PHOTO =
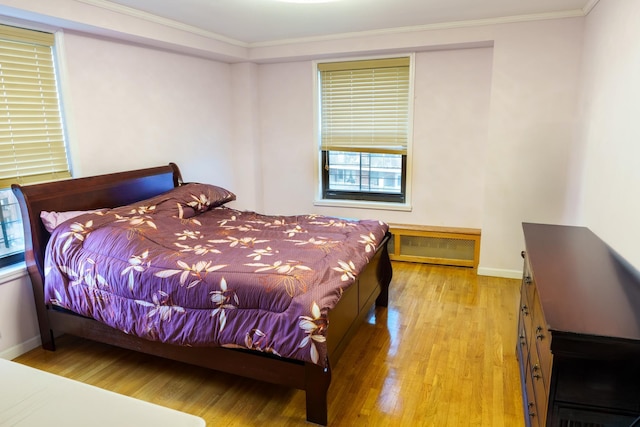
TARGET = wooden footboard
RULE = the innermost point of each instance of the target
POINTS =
(127, 187)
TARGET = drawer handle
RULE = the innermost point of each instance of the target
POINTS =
(525, 310)
(539, 334)
(534, 371)
(523, 340)
(528, 280)
(531, 409)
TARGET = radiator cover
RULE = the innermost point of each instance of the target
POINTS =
(435, 245)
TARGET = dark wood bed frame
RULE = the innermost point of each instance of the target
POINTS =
(117, 189)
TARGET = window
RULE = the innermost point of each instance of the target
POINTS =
(364, 129)
(32, 147)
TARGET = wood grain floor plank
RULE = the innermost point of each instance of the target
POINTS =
(442, 354)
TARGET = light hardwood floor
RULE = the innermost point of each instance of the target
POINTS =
(442, 354)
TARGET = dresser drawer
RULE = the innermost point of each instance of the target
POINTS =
(545, 358)
(540, 391)
(526, 314)
(531, 404)
(539, 384)
(541, 341)
(523, 345)
(528, 281)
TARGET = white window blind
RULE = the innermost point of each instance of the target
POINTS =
(365, 105)
(32, 145)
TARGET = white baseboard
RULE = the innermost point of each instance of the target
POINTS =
(22, 348)
(497, 272)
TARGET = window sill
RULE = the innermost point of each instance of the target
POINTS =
(362, 204)
(12, 272)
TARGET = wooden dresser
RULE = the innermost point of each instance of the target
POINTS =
(578, 331)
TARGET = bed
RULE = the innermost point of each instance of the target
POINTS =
(233, 302)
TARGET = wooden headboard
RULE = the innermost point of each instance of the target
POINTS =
(101, 191)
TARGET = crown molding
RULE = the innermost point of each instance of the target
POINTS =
(146, 16)
(578, 13)
(589, 6)
(124, 10)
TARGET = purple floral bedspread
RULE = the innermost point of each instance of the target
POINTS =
(183, 269)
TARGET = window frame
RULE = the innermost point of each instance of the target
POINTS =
(12, 259)
(371, 196)
(372, 200)
(16, 258)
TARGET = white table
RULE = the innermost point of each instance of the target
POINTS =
(33, 398)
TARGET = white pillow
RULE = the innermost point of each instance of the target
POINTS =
(53, 219)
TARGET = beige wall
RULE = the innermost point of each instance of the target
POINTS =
(128, 106)
(18, 322)
(610, 127)
(531, 135)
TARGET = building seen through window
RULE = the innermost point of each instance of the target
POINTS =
(365, 172)
(11, 233)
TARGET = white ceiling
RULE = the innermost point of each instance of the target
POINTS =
(268, 21)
